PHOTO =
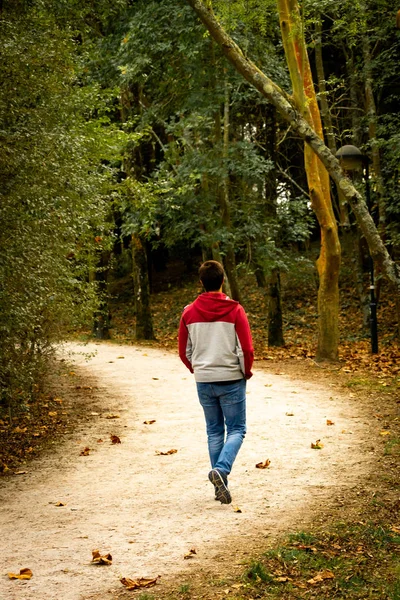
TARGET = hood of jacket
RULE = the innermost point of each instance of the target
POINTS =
(214, 306)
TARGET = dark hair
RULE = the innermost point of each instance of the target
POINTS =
(211, 275)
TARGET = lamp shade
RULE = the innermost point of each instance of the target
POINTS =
(350, 157)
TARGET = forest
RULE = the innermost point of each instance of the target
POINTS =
(138, 139)
(141, 138)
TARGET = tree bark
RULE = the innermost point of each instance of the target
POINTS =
(326, 116)
(102, 318)
(283, 102)
(275, 322)
(328, 263)
(144, 323)
(224, 201)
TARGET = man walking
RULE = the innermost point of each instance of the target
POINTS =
(215, 344)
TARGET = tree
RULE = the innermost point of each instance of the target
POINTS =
(305, 99)
(290, 113)
(52, 209)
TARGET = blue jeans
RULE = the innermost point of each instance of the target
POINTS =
(224, 406)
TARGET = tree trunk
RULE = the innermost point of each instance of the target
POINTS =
(144, 323)
(101, 322)
(275, 324)
(328, 263)
(275, 321)
(326, 117)
(370, 109)
(224, 201)
(283, 102)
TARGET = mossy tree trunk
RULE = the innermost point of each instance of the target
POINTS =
(328, 263)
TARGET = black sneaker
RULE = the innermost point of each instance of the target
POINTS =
(221, 489)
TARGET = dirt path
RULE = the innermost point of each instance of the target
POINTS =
(148, 510)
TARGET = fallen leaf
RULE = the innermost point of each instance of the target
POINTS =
(120, 356)
(282, 579)
(58, 400)
(115, 439)
(23, 574)
(155, 378)
(134, 584)
(329, 422)
(19, 430)
(172, 451)
(321, 576)
(237, 509)
(395, 529)
(149, 422)
(289, 414)
(263, 465)
(317, 446)
(72, 373)
(191, 553)
(100, 441)
(97, 559)
(384, 433)
(60, 504)
(85, 452)
(112, 416)
(52, 413)
(20, 472)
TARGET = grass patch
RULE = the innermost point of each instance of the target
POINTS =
(392, 447)
(352, 561)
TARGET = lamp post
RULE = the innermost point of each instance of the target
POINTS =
(352, 159)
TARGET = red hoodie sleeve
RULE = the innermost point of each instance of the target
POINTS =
(244, 334)
(184, 344)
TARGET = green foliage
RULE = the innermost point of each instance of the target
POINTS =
(52, 204)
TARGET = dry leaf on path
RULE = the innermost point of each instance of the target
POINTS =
(149, 422)
(263, 465)
(60, 504)
(172, 451)
(120, 356)
(19, 430)
(321, 576)
(112, 416)
(282, 579)
(85, 451)
(23, 574)
(115, 439)
(329, 422)
(289, 414)
(20, 472)
(97, 559)
(134, 584)
(237, 509)
(191, 553)
(317, 446)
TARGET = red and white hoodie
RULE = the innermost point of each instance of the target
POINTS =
(215, 340)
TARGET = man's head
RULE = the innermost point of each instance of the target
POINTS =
(211, 275)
